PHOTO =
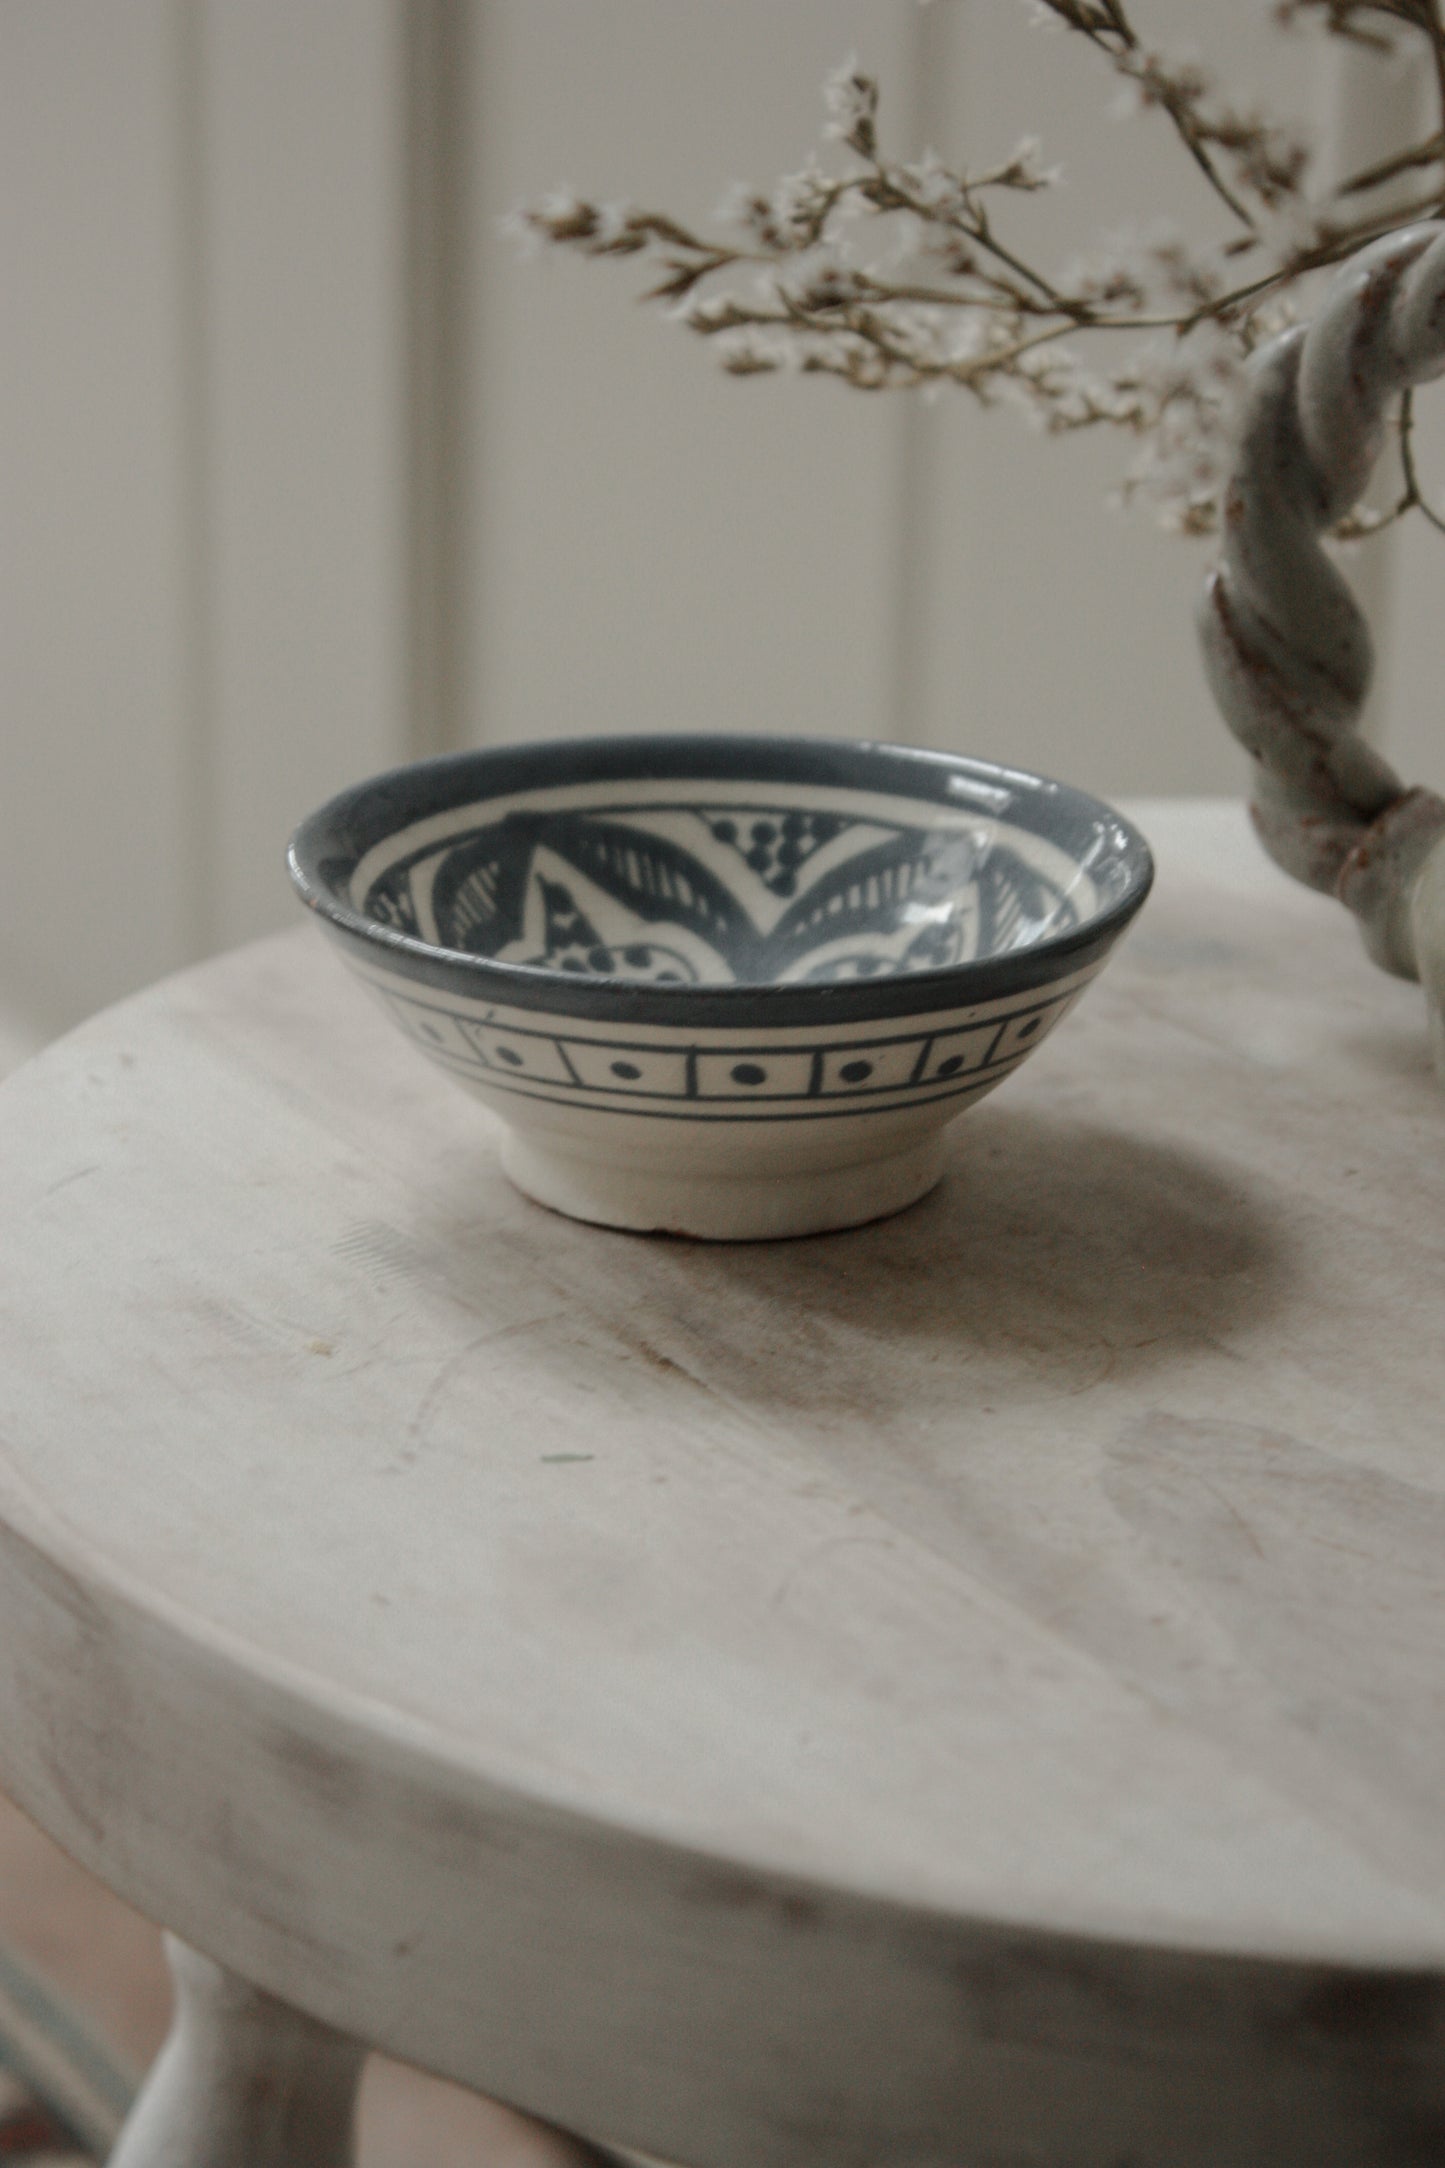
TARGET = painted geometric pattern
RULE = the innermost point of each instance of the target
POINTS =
(713, 1080)
(696, 893)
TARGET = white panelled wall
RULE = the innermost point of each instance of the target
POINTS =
(302, 471)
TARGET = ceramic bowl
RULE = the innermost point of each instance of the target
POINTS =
(724, 987)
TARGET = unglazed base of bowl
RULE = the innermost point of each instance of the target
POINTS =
(722, 1207)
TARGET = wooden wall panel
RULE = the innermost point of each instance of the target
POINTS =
(651, 545)
(96, 680)
(205, 416)
(304, 304)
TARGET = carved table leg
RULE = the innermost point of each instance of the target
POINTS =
(243, 2081)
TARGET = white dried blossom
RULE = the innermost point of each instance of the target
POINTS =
(709, 312)
(800, 202)
(1189, 394)
(1186, 276)
(963, 340)
(1144, 267)
(850, 99)
(1163, 78)
(612, 222)
(1023, 390)
(937, 187)
(1271, 158)
(1202, 371)
(787, 217)
(1178, 474)
(753, 351)
(1025, 167)
(560, 211)
(1293, 224)
(1268, 318)
(563, 216)
(737, 206)
(1074, 395)
(1149, 80)
(839, 355)
(1113, 275)
(819, 279)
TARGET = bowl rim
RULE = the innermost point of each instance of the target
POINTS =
(331, 841)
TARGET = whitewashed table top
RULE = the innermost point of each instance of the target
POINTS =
(1071, 1547)
(1069, 1550)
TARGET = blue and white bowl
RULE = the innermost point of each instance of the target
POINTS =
(722, 986)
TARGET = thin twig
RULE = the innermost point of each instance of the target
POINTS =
(1184, 120)
(1428, 153)
(821, 307)
(1414, 497)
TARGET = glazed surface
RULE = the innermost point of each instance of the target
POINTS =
(682, 882)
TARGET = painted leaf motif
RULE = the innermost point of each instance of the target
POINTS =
(742, 892)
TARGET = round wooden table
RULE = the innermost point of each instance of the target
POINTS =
(967, 1690)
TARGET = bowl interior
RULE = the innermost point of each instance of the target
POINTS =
(732, 879)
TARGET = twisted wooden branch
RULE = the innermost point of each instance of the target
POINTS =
(1286, 648)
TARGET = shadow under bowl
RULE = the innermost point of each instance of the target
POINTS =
(728, 987)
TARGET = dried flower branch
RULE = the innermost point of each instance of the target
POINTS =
(890, 274)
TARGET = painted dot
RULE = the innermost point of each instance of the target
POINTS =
(1026, 1031)
(627, 1070)
(748, 1072)
(600, 959)
(856, 1072)
(764, 832)
(509, 1055)
(725, 831)
(950, 1065)
(638, 958)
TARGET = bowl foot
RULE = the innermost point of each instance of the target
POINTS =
(723, 1207)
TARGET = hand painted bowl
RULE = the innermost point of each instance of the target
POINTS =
(730, 987)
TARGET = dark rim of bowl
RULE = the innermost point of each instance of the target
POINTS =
(332, 841)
